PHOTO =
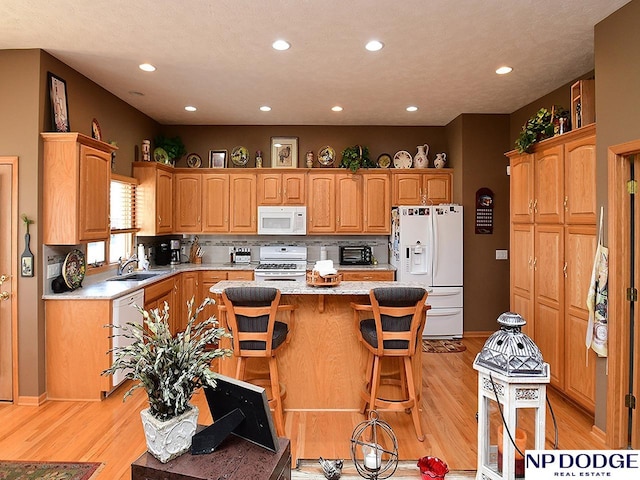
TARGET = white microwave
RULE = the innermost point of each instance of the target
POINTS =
(282, 220)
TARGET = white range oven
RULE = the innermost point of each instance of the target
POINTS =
(282, 263)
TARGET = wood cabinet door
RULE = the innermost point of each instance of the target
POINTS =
(93, 208)
(580, 373)
(215, 202)
(549, 185)
(437, 187)
(549, 298)
(580, 181)
(269, 189)
(188, 202)
(521, 273)
(349, 209)
(377, 204)
(164, 199)
(321, 206)
(521, 188)
(407, 188)
(367, 276)
(208, 279)
(294, 191)
(242, 203)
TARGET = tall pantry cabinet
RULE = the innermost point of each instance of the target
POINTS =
(553, 241)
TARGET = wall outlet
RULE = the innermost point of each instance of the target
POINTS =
(508, 170)
(502, 255)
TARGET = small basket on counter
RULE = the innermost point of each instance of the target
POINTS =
(314, 279)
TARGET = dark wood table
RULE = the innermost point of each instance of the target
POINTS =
(235, 459)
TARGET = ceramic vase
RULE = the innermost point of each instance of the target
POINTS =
(440, 161)
(171, 438)
(421, 160)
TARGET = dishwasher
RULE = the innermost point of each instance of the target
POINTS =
(124, 312)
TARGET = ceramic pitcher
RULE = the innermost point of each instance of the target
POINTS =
(441, 159)
(421, 160)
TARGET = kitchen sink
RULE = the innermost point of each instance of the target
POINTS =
(134, 277)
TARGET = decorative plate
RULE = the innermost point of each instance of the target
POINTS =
(384, 160)
(73, 269)
(240, 156)
(402, 159)
(95, 130)
(160, 155)
(326, 156)
(194, 160)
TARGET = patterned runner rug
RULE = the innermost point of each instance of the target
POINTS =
(48, 470)
(407, 470)
(443, 346)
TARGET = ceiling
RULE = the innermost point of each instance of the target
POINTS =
(439, 55)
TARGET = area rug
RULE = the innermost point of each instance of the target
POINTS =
(407, 470)
(443, 346)
(47, 470)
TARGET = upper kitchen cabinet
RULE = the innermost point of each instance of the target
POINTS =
(410, 186)
(377, 203)
(580, 171)
(76, 186)
(281, 188)
(155, 198)
(349, 207)
(321, 206)
(215, 203)
(188, 202)
(242, 203)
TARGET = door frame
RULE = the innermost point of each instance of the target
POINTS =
(13, 162)
(618, 233)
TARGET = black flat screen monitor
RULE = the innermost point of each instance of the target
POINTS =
(248, 405)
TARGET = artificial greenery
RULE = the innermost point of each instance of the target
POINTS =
(173, 146)
(544, 124)
(169, 367)
(356, 157)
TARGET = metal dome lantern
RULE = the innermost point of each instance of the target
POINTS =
(511, 352)
(512, 376)
(374, 448)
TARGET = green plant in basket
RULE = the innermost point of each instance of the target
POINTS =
(173, 146)
(537, 128)
(356, 157)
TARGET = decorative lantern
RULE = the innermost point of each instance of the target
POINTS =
(374, 448)
(512, 375)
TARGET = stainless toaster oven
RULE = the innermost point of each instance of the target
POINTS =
(358, 255)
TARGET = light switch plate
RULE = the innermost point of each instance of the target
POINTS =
(54, 270)
(502, 255)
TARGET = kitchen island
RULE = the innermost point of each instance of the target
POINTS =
(323, 366)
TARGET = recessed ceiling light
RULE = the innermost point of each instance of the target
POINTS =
(374, 45)
(337, 108)
(265, 108)
(412, 108)
(281, 45)
(147, 67)
(504, 70)
(190, 108)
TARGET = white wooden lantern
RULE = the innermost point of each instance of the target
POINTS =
(511, 373)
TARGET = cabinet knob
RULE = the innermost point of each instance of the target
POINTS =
(3, 278)
(535, 205)
(4, 295)
(564, 270)
(530, 208)
(565, 203)
(535, 262)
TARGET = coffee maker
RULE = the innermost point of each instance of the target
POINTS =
(175, 252)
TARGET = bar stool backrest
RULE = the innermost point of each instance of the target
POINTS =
(399, 314)
(251, 315)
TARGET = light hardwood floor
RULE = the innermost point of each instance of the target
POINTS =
(111, 432)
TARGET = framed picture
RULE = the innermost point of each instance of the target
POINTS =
(59, 103)
(217, 158)
(284, 152)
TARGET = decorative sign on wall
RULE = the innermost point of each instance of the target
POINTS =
(484, 211)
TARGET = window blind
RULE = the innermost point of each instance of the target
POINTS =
(123, 204)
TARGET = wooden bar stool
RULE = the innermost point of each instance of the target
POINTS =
(251, 316)
(399, 315)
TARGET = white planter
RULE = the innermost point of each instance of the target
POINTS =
(171, 438)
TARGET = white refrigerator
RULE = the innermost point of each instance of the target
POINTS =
(426, 248)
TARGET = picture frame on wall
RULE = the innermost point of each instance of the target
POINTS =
(284, 152)
(217, 158)
(59, 103)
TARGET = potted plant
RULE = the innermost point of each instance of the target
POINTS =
(544, 124)
(174, 147)
(356, 157)
(170, 368)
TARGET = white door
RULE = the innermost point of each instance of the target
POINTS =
(8, 270)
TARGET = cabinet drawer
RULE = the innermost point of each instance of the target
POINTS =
(213, 276)
(240, 275)
(157, 290)
(370, 276)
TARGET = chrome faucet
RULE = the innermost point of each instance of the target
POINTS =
(122, 264)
